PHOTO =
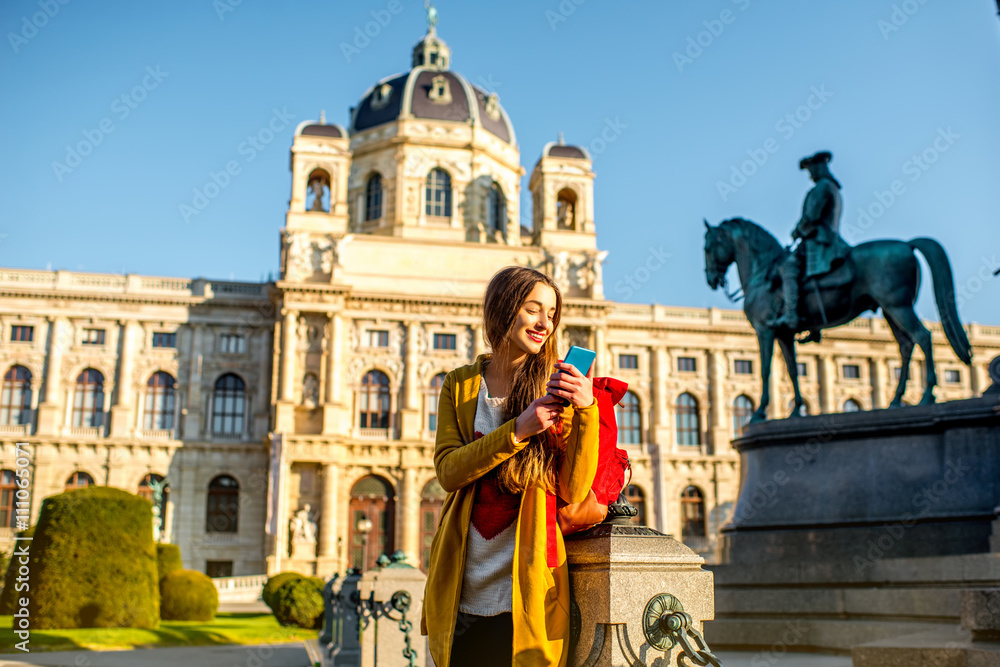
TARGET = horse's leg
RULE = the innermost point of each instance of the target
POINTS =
(765, 341)
(787, 343)
(906, 352)
(915, 329)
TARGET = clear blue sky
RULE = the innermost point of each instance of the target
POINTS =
(682, 125)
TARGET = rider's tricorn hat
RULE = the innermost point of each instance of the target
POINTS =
(819, 158)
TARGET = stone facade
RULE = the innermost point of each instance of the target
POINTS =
(379, 294)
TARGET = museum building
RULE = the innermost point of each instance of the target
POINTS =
(291, 423)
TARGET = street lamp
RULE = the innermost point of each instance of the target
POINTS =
(364, 526)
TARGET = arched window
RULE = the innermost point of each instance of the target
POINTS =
(15, 400)
(638, 500)
(88, 399)
(318, 192)
(566, 209)
(373, 197)
(222, 513)
(78, 480)
(431, 501)
(432, 401)
(438, 193)
(692, 512)
(8, 487)
(629, 419)
(374, 400)
(158, 412)
(742, 412)
(146, 491)
(850, 405)
(688, 426)
(372, 521)
(496, 210)
(228, 405)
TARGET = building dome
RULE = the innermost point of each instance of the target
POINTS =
(560, 149)
(430, 90)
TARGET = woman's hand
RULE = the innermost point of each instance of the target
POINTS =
(541, 414)
(573, 385)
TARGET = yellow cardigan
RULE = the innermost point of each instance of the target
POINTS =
(541, 594)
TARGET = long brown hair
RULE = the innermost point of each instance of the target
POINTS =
(505, 295)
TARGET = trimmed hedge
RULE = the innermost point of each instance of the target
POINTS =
(274, 583)
(188, 595)
(168, 559)
(8, 597)
(93, 562)
(299, 602)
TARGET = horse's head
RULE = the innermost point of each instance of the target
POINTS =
(719, 254)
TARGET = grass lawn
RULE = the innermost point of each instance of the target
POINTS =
(241, 628)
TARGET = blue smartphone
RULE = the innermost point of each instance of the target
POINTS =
(580, 358)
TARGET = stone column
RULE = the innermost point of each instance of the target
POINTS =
(281, 521)
(122, 413)
(409, 414)
(719, 431)
(48, 411)
(827, 375)
(879, 374)
(288, 355)
(194, 420)
(334, 358)
(601, 362)
(478, 346)
(328, 517)
(409, 516)
(186, 524)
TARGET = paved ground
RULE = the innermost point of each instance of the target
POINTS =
(294, 655)
(277, 655)
(254, 607)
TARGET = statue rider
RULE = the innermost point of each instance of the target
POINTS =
(822, 249)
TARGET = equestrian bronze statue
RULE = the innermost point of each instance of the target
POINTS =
(824, 283)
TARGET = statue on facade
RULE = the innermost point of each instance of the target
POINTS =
(303, 525)
(318, 187)
(827, 283)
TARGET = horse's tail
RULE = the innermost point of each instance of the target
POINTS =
(944, 295)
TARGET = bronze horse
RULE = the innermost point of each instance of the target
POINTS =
(877, 274)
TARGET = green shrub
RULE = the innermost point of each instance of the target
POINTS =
(8, 597)
(168, 559)
(188, 595)
(274, 583)
(299, 602)
(93, 562)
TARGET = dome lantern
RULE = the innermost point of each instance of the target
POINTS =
(431, 51)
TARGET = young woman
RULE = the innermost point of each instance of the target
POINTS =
(497, 588)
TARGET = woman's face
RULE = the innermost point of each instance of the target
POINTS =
(534, 320)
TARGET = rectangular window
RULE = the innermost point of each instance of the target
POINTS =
(219, 568)
(164, 339)
(743, 367)
(442, 341)
(852, 372)
(22, 334)
(231, 343)
(628, 361)
(687, 364)
(378, 338)
(803, 370)
(952, 376)
(896, 371)
(93, 337)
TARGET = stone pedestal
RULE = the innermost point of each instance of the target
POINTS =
(303, 550)
(384, 581)
(615, 570)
